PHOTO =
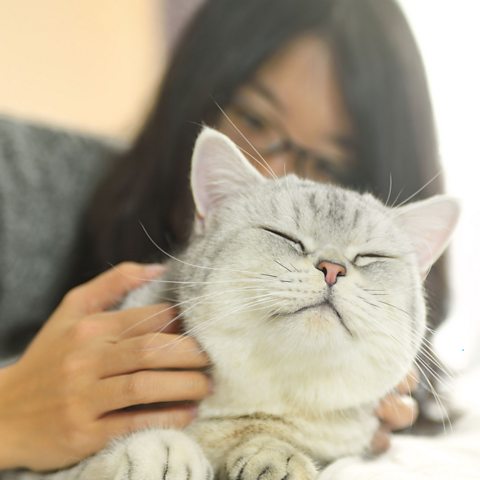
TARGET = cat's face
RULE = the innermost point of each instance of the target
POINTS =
(330, 265)
(307, 275)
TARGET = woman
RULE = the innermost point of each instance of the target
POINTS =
(331, 89)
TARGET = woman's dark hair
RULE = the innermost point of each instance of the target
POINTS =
(382, 79)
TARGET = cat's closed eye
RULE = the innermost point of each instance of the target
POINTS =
(364, 259)
(294, 242)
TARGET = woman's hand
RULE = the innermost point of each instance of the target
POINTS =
(62, 400)
(396, 411)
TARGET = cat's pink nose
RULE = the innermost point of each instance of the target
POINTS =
(331, 271)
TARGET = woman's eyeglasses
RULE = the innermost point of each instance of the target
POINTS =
(270, 140)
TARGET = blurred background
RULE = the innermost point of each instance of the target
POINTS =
(95, 66)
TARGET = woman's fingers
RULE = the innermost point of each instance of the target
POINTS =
(152, 351)
(107, 289)
(137, 321)
(398, 411)
(148, 387)
(409, 384)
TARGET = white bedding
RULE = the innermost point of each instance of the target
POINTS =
(454, 455)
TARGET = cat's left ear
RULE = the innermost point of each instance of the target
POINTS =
(430, 224)
(219, 170)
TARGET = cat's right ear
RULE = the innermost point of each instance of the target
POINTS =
(219, 170)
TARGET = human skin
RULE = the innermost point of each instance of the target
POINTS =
(297, 92)
(60, 402)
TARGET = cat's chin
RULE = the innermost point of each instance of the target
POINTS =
(321, 318)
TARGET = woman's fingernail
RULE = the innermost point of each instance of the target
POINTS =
(409, 403)
(154, 269)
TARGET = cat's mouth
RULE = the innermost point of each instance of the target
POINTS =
(324, 304)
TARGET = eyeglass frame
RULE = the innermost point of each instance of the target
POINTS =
(285, 144)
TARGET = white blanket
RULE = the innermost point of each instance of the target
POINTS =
(454, 455)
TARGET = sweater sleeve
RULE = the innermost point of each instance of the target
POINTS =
(47, 177)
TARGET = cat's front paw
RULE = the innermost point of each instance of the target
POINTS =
(266, 458)
(150, 455)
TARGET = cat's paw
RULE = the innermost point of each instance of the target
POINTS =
(150, 455)
(265, 458)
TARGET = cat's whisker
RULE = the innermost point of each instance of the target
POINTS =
(269, 275)
(172, 257)
(442, 409)
(446, 385)
(207, 323)
(218, 282)
(194, 331)
(369, 303)
(283, 266)
(446, 379)
(395, 306)
(265, 166)
(192, 300)
(379, 327)
(438, 371)
(428, 350)
(428, 353)
(397, 197)
(431, 387)
(388, 292)
(434, 374)
(418, 191)
(443, 381)
(389, 189)
(263, 163)
(423, 367)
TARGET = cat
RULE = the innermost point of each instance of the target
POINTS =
(308, 299)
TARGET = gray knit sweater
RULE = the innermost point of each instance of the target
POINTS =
(47, 177)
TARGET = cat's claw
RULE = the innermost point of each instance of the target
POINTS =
(268, 459)
(150, 455)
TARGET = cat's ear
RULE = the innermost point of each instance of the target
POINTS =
(429, 224)
(219, 169)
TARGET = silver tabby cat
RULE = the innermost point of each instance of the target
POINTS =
(308, 299)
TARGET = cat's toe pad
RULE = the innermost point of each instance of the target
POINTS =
(269, 459)
(151, 455)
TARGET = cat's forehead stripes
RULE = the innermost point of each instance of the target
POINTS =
(317, 209)
(356, 217)
(336, 206)
(312, 200)
(318, 214)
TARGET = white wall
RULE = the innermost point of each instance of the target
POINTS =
(448, 33)
(88, 64)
